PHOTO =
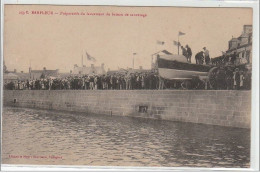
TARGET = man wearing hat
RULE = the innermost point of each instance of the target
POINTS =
(206, 55)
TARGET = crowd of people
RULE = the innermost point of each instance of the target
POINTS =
(116, 81)
(149, 80)
(225, 79)
(228, 79)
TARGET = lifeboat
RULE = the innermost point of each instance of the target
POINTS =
(176, 67)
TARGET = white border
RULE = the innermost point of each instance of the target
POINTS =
(254, 4)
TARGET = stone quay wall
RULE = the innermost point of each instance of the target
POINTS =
(225, 108)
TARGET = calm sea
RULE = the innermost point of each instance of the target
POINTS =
(33, 136)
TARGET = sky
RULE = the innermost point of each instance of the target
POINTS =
(59, 41)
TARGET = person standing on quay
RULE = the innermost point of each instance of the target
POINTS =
(189, 53)
(199, 57)
(206, 55)
(184, 52)
(236, 79)
(91, 83)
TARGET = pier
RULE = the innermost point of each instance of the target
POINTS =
(216, 107)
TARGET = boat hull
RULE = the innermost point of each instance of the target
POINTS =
(172, 69)
(179, 74)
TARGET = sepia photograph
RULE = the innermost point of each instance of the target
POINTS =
(127, 86)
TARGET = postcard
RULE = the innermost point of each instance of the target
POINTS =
(128, 86)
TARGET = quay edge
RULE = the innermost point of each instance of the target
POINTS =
(216, 107)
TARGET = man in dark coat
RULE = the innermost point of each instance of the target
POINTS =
(199, 57)
(184, 52)
(189, 53)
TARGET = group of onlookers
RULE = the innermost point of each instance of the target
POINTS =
(116, 81)
(225, 79)
(229, 79)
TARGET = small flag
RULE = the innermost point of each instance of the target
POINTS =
(90, 57)
(160, 42)
(134, 53)
(176, 43)
(181, 33)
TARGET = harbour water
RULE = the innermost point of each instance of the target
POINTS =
(31, 136)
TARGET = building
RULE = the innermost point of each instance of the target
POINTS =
(242, 46)
(32, 75)
(10, 77)
(38, 74)
(13, 76)
(92, 70)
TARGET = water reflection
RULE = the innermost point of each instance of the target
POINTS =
(99, 140)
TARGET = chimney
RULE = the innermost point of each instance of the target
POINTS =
(108, 69)
(44, 68)
(70, 71)
(141, 67)
(102, 65)
(14, 70)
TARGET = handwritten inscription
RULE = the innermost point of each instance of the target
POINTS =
(65, 13)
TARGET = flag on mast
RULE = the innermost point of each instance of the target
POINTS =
(181, 33)
(176, 43)
(90, 58)
(160, 42)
